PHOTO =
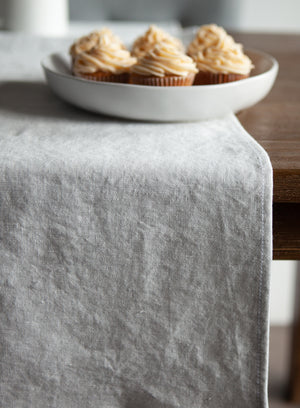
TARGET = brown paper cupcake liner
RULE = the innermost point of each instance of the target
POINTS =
(209, 78)
(168, 80)
(106, 77)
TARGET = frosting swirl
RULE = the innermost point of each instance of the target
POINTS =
(164, 59)
(89, 41)
(215, 51)
(153, 36)
(105, 56)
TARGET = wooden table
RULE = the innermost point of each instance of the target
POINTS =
(275, 124)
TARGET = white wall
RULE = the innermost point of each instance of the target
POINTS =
(259, 15)
(269, 15)
(283, 275)
(246, 15)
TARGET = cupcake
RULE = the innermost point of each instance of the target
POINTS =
(103, 59)
(153, 36)
(87, 42)
(163, 65)
(218, 57)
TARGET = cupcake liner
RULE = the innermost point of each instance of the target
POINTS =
(210, 78)
(106, 77)
(168, 80)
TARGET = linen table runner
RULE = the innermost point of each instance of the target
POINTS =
(134, 257)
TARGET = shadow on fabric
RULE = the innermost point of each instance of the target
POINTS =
(36, 99)
(143, 399)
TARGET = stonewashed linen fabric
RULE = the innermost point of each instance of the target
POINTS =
(134, 257)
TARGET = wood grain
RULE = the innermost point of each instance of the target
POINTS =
(275, 122)
(286, 231)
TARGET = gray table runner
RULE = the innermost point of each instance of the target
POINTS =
(134, 257)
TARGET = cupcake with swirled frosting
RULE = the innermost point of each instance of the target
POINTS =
(89, 41)
(102, 57)
(154, 35)
(163, 65)
(218, 57)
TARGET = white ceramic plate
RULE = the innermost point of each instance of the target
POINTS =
(163, 104)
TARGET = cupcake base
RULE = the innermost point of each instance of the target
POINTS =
(209, 78)
(168, 80)
(105, 77)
